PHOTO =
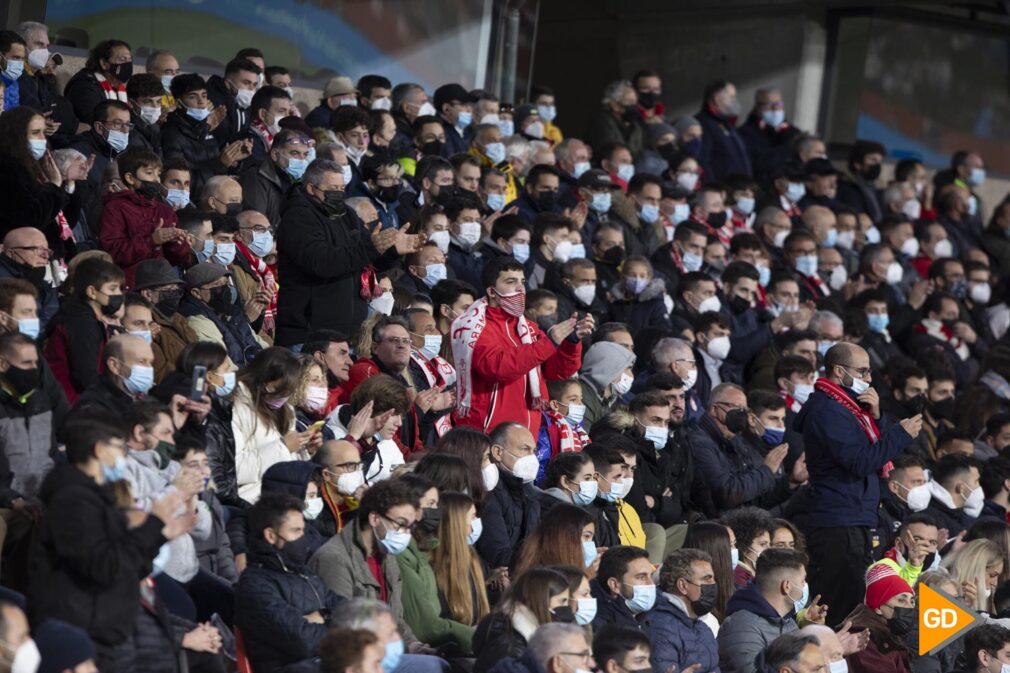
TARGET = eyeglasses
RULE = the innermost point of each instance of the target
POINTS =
(397, 341)
(118, 125)
(258, 229)
(347, 467)
(34, 249)
(862, 371)
(691, 362)
(585, 655)
(399, 526)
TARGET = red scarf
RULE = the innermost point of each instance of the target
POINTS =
(838, 394)
(259, 128)
(111, 92)
(437, 372)
(676, 259)
(569, 439)
(266, 278)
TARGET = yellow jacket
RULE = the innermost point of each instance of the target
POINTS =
(907, 572)
(629, 527)
(552, 133)
(512, 183)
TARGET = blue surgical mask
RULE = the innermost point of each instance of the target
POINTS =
(476, 528)
(262, 243)
(177, 198)
(143, 334)
(976, 178)
(198, 113)
(38, 147)
(296, 168)
(228, 386)
(804, 598)
(692, 262)
(495, 152)
(116, 471)
(831, 239)
(579, 168)
(140, 380)
(745, 205)
(796, 191)
(432, 345)
(225, 254)
(807, 265)
(650, 213)
(578, 251)
(588, 552)
(601, 202)
(507, 127)
(118, 140)
(764, 275)
(773, 436)
(434, 273)
(586, 493)
(495, 201)
(681, 212)
(521, 252)
(659, 436)
(394, 652)
(465, 119)
(774, 118)
(166, 83)
(208, 250)
(547, 112)
(636, 285)
(626, 172)
(395, 542)
(30, 327)
(14, 69)
(643, 598)
(878, 322)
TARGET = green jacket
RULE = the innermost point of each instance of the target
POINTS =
(422, 609)
(596, 407)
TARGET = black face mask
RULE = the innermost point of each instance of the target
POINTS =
(115, 303)
(902, 622)
(545, 322)
(705, 603)
(631, 114)
(389, 194)
(295, 553)
(123, 72)
(738, 305)
(647, 99)
(168, 301)
(614, 255)
(334, 200)
(717, 220)
(914, 405)
(220, 299)
(232, 209)
(36, 275)
(546, 200)
(562, 614)
(23, 381)
(737, 421)
(949, 324)
(432, 148)
(431, 517)
(149, 188)
(444, 195)
(668, 151)
(943, 408)
(871, 173)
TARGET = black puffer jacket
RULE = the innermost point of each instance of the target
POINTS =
(86, 562)
(510, 515)
(157, 637)
(265, 189)
(271, 601)
(221, 453)
(183, 137)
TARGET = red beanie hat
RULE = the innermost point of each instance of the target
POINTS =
(882, 584)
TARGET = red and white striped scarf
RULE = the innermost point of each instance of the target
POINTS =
(838, 394)
(938, 330)
(266, 278)
(111, 92)
(466, 330)
(437, 372)
(571, 439)
(259, 128)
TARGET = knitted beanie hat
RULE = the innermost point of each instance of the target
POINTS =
(883, 584)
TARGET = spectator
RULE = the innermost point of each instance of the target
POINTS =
(689, 592)
(25, 257)
(104, 77)
(459, 530)
(624, 589)
(985, 646)
(213, 315)
(156, 282)
(265, 188)
(888, 613)
(346, 650)
(360, 613)
(281, 609)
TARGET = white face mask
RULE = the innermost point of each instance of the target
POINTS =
(469, 233)
(719, 347)
(576, 412)
(842, 666)
(918, 498)
(313, 506)
(973, 505)
(709, 304)
(490, 474)
(27, 658)
(349, 482)
(383, 303)
(525, 468)
(623, 384)
(441, 239)
(690, 379)
(585, 294)
(244, 97)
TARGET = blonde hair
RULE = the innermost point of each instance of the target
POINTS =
(970, 563)
(454, 556)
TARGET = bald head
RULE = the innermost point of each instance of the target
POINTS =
(337, 452)
(248, 219)
(24, 236)
(831, 646)
(219, 192)
(124, 353)
(845, 361)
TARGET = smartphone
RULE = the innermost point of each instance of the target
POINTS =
(317, 426)
(199, 385)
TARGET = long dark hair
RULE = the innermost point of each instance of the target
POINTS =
(713, 538)
(14, 138)
(557, 539)
(470, 445)
(447, 472)
(103, 50)
(272, 364)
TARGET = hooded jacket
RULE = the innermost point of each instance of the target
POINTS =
(750, 626)
(647, 309)
(885, 653)
(129, 221)
(679, 639)
(603, 363)
(87, 562)
(271, 601)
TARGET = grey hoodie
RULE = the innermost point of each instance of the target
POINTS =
(603, 362)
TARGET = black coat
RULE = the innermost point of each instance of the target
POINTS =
(84, 93)
(954, 520)
(495, 639)
(47, 90)
(237, 120)
(86, 562)
(723, 152)
(321, 257)
(105, 395)
(183, 137)
(612, 610)
(271, 601)
(89, 143)
(265, 189)
(511, 513)
(28, 203)
(769, 148)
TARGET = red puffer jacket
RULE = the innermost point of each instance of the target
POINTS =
(501, 363)
(128, 222)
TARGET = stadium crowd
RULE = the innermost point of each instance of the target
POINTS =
(416, 381)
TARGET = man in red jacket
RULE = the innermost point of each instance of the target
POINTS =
(503, 360)
(136, 223)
